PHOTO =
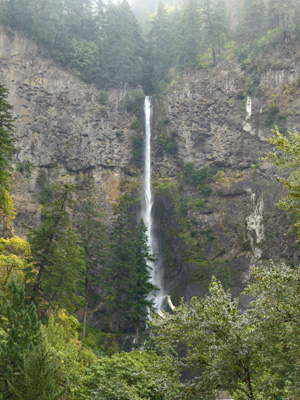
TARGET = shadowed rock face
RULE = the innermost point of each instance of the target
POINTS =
(61, 128)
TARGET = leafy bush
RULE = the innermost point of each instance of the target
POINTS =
(137, 147)
(274, 117)
(201, 177)
(134, 101)
(133, 376)
(102, 97)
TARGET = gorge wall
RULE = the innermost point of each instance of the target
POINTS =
(62, 131)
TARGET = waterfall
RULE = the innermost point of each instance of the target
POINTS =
(156, 273)
(248, 108)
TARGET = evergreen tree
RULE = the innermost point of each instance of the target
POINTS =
(252, 20)
(122, 47)
(160, 42)
(214, 25)
(189, 34)
(127, 275)
(280, 13)
(40, 378)
(58, 258)
(93, 235)
(19, 335)
(6, 150)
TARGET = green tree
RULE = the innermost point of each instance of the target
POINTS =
(189, 34)
(19, 335)
(127, 276)
(214, 25)
(94, 239)
(252, 20)
(133, 376)
(61, 341)
(122, 47)
(276, 290)
(281, 13)
(6, 151)
(58, 258)
(14, 256)
(160, 42)
(287, 155)
(218, 344)
(40, 378)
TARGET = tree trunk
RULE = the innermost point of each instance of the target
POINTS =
(249, 385)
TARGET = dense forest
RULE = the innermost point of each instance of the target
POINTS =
(106, 44)
(76, 263)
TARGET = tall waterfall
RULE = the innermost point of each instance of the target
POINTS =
(156, 273)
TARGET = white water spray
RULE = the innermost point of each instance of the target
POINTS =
(248, 108)
(156, 274)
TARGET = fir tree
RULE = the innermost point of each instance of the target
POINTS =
(189, 37)
(127, 275)
(19, 334)
(94, 240)
(6, 150)
(59, 261)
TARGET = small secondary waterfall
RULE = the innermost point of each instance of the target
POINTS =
(248, 108)
(156, 275)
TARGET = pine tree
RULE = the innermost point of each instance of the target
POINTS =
(252, 20)
(59, 261)
(127, 276)
(214, 25)
(19, 334)
(160, 42)
(189, 34)
(93, 236)
(6, 151)
(122, 48)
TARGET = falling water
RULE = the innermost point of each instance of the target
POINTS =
(248, 108)
(156, 275)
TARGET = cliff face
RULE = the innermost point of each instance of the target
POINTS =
(62, 129)
(217, 125)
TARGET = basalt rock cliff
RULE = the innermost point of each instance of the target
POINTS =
(217, 118)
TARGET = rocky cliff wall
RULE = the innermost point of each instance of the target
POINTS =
(62, 129)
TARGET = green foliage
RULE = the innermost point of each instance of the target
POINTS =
(134, 101)
(41, 377)
(14, 254)
(103, 43)
(83, 57)
(62, 342)
(168, 143)
(132, 376)
(200, 178)
(287, 155)
(103, 97)
(101, 342)
(45, 188)
(137, 148)
(25, 168)
(93, 237)
(19, 335)
(276, 308)
(220, 341)
(127, 276)
(6, 151)
(274, 117)
(58, 258)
